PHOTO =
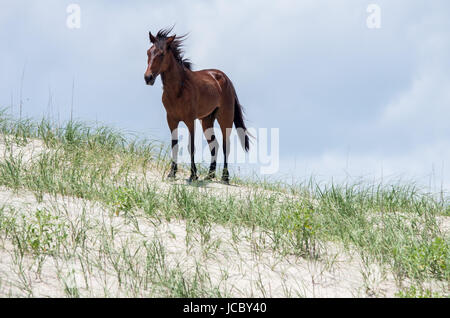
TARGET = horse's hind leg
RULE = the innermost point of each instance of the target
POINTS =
(225, 120)
(226, 151)
(208, 130)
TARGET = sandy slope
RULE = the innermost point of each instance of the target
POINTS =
(250, 271)
(239, 261)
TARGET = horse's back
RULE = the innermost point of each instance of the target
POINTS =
(215, 78)
(216, 75)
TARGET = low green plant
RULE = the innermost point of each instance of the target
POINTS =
(417, 292)
(302, 228)
(429, 258)
(42, 233)
(125, 199)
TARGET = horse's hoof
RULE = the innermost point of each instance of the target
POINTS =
(210, 177)
(192, 178)
(226, 180)
(171, 176)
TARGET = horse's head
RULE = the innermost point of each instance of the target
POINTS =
(158, 60)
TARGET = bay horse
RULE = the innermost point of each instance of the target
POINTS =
(206, 95)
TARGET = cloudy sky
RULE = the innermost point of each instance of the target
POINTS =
(349, 101)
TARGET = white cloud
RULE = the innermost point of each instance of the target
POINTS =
(426, 104)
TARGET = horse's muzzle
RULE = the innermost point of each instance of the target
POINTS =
(150, 79)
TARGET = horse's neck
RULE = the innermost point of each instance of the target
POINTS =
(173, 78)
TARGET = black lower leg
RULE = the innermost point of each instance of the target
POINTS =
(193, 176)
(173, 170)
(173, 167)
(212, 167)
(212, 171)
(225, 174)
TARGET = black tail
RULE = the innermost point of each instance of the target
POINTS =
(240, 125)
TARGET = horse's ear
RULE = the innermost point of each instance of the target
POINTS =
(152, 38)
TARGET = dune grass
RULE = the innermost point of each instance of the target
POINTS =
(395, 225)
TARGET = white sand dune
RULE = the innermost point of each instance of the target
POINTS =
(240, 262)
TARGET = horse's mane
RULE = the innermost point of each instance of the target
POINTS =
(176, 46)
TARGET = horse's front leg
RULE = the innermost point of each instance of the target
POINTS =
(173, 125)
(191, 127)
(208, 129)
